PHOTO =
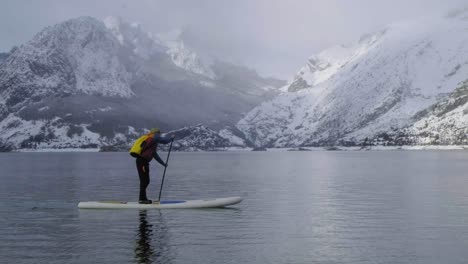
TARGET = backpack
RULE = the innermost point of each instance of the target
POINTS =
(137, 147)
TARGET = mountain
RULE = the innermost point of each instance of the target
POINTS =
(88, 83)
(444, 123)
(3, 56)
(193, 138)
(145, 45)
(377, 86)
(199, 137)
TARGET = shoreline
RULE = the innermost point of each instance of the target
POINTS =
(57, 150)
(295, 149)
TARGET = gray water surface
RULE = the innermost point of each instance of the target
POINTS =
(299, 207)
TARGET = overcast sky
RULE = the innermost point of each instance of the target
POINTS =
(274, 37)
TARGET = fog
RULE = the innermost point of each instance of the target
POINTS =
(272, 36)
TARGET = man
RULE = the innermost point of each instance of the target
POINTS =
(144, 150)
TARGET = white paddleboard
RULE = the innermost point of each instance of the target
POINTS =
(175, 204)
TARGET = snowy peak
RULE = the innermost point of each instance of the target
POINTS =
(376, 85)
(131, 35)
(145, 45)
(187, 59)
(326, 64)
(76, 56)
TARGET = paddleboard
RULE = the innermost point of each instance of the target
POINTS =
(168, 204)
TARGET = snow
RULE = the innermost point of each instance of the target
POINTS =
(54, 133)
(132, 35)
(145, 44)
(80, 65)
(446, 123)
(76, 69)
(233, 139)
(187, 59)
(326, 64)
(184, 57)
(374, 85)
(15, 130)
(113, 24)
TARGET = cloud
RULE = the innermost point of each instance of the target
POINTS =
(273, 36)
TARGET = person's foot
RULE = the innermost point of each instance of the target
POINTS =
(145, 202)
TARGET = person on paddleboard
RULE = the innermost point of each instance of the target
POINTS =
(144, 150)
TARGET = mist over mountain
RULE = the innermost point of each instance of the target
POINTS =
(400, 85)
(89, 83)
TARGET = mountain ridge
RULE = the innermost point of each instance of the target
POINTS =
(375, 86)
(79, 84)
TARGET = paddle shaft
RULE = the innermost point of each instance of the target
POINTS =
(165, 167)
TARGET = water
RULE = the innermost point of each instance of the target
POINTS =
(299, 207)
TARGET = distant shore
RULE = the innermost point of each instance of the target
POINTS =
(297, 149)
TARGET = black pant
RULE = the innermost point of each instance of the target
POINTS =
(143, 172)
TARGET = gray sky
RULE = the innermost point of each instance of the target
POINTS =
(273, 36)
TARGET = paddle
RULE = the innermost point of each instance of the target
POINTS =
(164, 174)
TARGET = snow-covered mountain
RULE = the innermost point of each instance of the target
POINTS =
(445, 123)
(77, 56)
(199, 137)
(3, 56)
(377, 85)
(321, 67)
(86, 83)
(146, 44)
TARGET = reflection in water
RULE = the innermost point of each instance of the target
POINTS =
(144, 251)
(152, 240)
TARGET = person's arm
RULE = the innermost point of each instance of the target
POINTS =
(158, 159)
(163, 140)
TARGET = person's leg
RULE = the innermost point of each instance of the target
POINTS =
(146, 178)
(143, 174)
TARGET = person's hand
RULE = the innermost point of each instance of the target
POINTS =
(172, 136)
(165, 165)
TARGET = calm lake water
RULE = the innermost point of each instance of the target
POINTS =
(299, 207)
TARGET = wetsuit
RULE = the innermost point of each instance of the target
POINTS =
(148, 152)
